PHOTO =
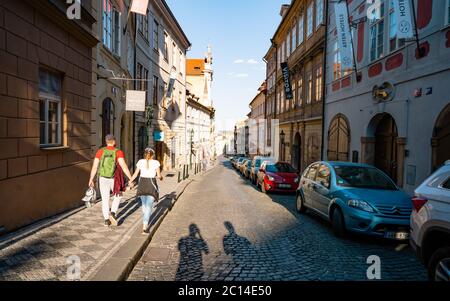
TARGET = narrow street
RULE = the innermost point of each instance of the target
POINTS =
(223, 228)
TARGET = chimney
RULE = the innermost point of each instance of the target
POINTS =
(284, 9)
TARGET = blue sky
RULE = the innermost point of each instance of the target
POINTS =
(239, 32)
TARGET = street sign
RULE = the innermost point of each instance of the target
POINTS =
(287, 81)
(135, 101)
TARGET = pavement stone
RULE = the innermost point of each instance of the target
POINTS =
(43, 255)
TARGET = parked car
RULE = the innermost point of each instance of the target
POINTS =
(357, 198)
(256, 164)
(243, 165)
(280, 176)
(239, 162)
(430, 223)
(247, 168)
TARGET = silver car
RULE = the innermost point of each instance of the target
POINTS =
(430, 223)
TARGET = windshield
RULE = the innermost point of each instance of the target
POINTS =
(280, 167)
(363, 177)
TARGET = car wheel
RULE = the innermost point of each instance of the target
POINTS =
(300, 203)
(338, 223)
(439, 265)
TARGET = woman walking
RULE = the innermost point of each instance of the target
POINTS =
(148, 190)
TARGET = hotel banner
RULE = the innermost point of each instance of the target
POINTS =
(343, 32)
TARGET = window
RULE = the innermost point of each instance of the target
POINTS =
(323, 176)
(166, 47)
(139, 74)
(143, 25)
(294, 94)
(278, 102)
(111, 27)
(288, 45)
(283, 51)
(279, 57)
(50, 108)
(155, 35)
(319, 13)
(446, 185)
(174, 54)
(300, 30)
(394, 43)
(180, 62)
(448, 13)
(300, 91)
(294, 37)
(318, 83)
(108, 117)
(309, 87)
(377, 33)
(312, 171)
(155, 90)
(310, 21)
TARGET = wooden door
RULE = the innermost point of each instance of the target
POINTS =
(386, 146)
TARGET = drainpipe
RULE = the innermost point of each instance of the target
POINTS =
(135, 87)
(324, 77)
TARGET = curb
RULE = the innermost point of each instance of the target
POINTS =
(122, 262)
(119, 266)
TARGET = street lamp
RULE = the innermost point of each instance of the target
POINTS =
(282, 137)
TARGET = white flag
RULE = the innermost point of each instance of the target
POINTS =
(402, 11)
(139, 7)
(343, 32)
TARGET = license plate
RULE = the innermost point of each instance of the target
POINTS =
(284, 186)
(397, 235)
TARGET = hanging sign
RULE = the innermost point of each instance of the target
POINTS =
(158, 136)
(172, 79)
(343, 33)
(135, 101)
(402, 11)
(139, 7)
(287, 81)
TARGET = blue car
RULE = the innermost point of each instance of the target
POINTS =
(355, 197)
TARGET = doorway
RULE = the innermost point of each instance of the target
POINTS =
(386, 146)
(297, 152)
(441, 138)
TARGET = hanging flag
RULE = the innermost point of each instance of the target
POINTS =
(343, 33)
(172, 79)
(402, 11)
(139, 7)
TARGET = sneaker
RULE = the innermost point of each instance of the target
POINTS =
(107, 223)
(146, 231)
(113, 219)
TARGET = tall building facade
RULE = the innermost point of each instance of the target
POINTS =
(298, 45)
(393, 113)
(46, 95)
(114, 76)
(160, 70)
(257, 123)
(200, 112)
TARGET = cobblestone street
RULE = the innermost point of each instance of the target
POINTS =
(223, 228)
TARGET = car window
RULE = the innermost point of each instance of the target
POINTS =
(311, 174)
(258, 162)
(446, 185)
(323, 176)
(363, 177)
(280, 167)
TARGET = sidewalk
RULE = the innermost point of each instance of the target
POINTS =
(41, 251)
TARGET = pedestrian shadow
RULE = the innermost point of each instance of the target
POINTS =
(238, 247)
(191, 248)
(158, 210)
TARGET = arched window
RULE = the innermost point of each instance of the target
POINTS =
(338, 139)
(107, 118)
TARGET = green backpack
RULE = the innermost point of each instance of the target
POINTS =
(108, 163)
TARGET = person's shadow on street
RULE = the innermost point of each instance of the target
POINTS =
(235, 245)
(191, 250)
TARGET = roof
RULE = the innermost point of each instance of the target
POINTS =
(195, 66)
(188, 43)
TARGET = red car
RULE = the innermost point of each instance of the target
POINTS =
(280, 176)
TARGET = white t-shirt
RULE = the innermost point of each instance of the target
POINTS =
(148, 172)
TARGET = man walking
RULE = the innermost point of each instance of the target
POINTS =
(107, 158)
